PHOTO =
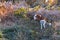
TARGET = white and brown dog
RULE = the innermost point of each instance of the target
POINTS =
(41, 19)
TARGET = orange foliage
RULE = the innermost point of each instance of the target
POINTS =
(51, 2)
(5, 11)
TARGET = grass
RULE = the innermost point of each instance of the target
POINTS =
(25, 29)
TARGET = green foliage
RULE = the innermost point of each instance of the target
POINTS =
(58, 8)
(49, 31)
(36, 8)
(1, 34)
(52, 7)
(11, 33)
(58, 32)
(48, 7)
(26, 30)
(20, 12)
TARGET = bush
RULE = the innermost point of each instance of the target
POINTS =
(58, 32)
(36, 8)
(48, 7)
(27, 31)
(20, 12)
(1, 34)
(58, 8)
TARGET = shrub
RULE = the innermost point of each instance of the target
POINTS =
(48, 7)
(20, 12)
(58, 32)
(1, 34)
(58, 8)
(36, 8)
